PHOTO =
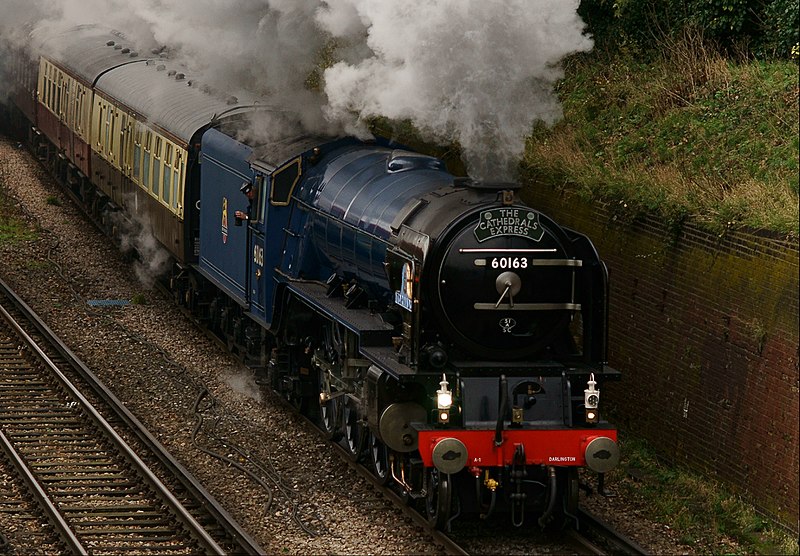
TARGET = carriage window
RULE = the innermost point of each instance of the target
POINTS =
(109, 117)
(167, 189)
(51, 92)
(176, 180)
(124, 141)
(283, 181)
(47, 84)
(79, 110)
(167, 184)
(57, 106)
(99, 122)
(67, 103)
(157, 167)
(137, 154)
(146, 162)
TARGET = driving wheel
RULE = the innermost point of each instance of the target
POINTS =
(380, 459)
(438, 500)
(353, 430)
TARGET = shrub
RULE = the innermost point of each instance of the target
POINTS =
(781, 28)
(765, 28)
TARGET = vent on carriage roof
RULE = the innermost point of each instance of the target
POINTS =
(179, 76)
(110, 43)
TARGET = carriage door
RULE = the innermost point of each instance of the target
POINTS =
(257, 277)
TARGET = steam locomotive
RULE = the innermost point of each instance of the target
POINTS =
(443, 332)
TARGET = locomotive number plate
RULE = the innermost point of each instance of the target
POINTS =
(508, 262)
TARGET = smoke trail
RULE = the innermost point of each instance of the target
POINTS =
(478, 72)
(133, 232)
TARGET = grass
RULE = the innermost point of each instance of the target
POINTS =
(12, 229)
(139, 299)
(688, 134)
(707, 515)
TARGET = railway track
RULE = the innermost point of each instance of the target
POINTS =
(96, 491)
(598, 537)
(593, 536)
(443, 542)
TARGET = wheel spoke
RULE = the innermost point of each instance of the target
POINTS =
(329, 418)
(380, 459)
(353, 436)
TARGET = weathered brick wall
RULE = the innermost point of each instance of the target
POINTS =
(705, 331)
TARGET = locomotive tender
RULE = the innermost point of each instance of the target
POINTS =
(435, 326)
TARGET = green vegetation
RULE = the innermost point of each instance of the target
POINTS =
(761, 28)
(139, 299)
(12, 229)
(687, 109)
(53, 200)
(706, 515)
(684, 132)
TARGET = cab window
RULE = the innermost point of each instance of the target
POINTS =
(283, 181)
(259, 200)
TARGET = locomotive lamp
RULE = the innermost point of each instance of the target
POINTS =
(591, 399)
(444, 401)
(444, 398)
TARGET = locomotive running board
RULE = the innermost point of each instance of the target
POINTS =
(370, 328)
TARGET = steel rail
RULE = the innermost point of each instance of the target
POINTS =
(182, 513)
(66, 533)
(245, 542)
(591, 525)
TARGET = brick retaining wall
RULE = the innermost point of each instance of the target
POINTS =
(705, 331)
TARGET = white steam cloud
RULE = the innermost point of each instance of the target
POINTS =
(478, 72)
(134, 235)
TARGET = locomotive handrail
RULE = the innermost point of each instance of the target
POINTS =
(529, 307)
(502, 250)
(556, 262)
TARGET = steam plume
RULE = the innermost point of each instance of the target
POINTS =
(478, 72)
